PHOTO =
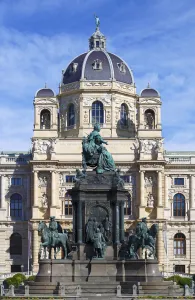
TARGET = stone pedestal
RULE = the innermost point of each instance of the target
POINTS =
(96, 272)
(98, 196)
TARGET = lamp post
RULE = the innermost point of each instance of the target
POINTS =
(32, 268)
(163, 270)
(22, 268)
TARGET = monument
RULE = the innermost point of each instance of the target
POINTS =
(98, 258)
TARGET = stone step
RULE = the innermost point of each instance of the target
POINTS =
(155, 283)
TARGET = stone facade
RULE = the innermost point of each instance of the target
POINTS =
(34, 185)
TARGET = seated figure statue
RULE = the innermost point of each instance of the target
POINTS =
(95, 154)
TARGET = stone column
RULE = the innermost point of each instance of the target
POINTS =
(122, 236)
(35, 247)
(160, 246)
(117, 223)
(35, 188)
(28, 190)
(166, 192)
(141, 193)
(192, 204)
(142, 200)
(53, 188)
(80, 120)
(53, 194)
(3, 204)
(159, 188)
(79, 224)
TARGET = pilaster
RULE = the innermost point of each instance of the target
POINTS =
(3, 203)
(35, 209)
(160, 246)
(142, 200)
(53, 194)
(160, 213)
(35, 247)
(192, 200)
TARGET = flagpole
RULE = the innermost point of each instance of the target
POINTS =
(167, 248)
(28, 248)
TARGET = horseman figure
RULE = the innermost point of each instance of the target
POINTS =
(142, 231)
(53, 227)
(143, 238)
(53, 237)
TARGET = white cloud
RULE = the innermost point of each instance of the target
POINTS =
(160, 51)
(26, 63)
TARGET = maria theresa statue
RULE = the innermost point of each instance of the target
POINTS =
(95, 154)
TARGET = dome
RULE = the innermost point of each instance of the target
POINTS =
(98, 65)
(45, 92)
(149, 92)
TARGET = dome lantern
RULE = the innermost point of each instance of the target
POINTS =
(97, 40)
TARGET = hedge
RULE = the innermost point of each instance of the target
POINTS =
(182, 281)
(17, 279)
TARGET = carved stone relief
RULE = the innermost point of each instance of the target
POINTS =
(61, 179)
(43, 181)
(70, 86)
(62, 192)
(108, 116)
(97, 84)
(86, 116)
(43, 146)
(125, 87)
(44, 200)
(150, 187)
(150, 201)
(151, 147)
(106, 100)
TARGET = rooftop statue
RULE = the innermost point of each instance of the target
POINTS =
(95, 154)
(97, 22)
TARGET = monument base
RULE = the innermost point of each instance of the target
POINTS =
(97, 270)
(104, 274)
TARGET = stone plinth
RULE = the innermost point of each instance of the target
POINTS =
(65, 271)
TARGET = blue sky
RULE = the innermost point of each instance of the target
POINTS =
(39, 37)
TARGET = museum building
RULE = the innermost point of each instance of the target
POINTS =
(97, 87)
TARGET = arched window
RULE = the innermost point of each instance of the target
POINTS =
(179, 244)
(149, 119)
(16, 206)
(97, 112)
(45, 120)
(71, 115)
(179, 205)
(68, 205)
(16, 244)
(124, 115)
(127, 206)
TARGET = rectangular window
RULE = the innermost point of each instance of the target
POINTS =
(178, 181)
(97, 43)
(127, 206)
(68, 208)
(126, 178)
(16, 268)
(70, 178)
(180, 268)
(16, 181)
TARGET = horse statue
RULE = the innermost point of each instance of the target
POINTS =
(60, 241)
(143, 240)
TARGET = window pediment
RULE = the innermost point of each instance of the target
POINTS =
(122, 67)
(97, 64)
